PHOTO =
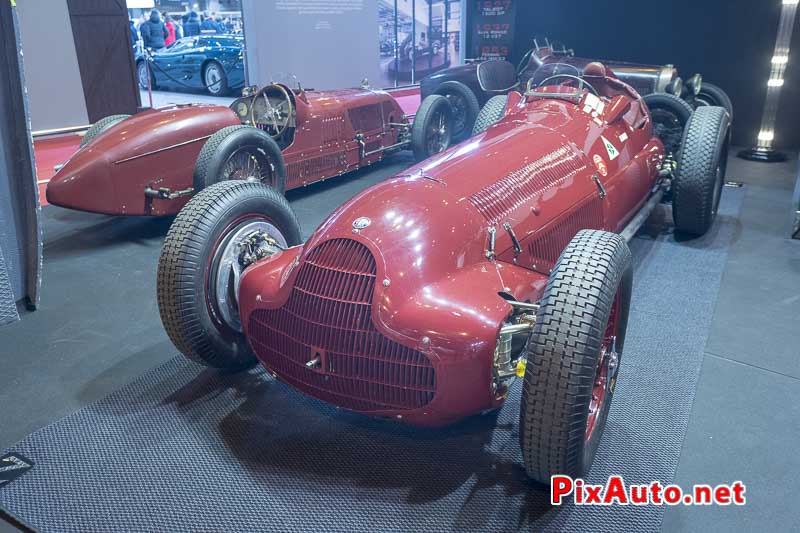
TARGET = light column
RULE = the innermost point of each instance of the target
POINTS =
(780, 58)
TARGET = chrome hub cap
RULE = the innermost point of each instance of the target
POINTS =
(249, 242)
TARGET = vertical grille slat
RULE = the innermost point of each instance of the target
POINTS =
(329, 311)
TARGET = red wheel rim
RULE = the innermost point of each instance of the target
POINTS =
(607, 364)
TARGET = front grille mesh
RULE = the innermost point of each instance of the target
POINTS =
(328, 316)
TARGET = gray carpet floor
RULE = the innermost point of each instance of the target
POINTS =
(742, 424)
(183, 448)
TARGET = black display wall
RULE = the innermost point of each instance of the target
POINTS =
(730, 42)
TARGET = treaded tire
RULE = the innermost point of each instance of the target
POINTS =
(712, 95)
(700, 175)
(100, 126)
(428, 113)
(183, 268)
(220, 146)
(223, 88)
(467, 104)
(678, 107)
(492, 112)
(593, 272)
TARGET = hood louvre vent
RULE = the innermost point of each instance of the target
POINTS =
(496, 201)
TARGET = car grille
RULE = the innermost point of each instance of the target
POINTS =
(328, 317)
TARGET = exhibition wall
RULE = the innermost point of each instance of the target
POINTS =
(324, 47)
(53, 77)
(730, 42)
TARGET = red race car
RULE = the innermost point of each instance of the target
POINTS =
(152, 162)
(424, 296)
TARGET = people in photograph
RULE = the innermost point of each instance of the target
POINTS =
(154, 32)
(209, 25)
(192, 25)
(134, 33)
(171, 33)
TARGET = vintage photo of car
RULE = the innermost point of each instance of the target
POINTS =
(151, 163)
(213, 63)
(671, 98)
(424, 296)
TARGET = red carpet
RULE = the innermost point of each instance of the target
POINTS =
(49, 152)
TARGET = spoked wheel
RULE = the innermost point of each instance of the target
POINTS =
(245, 239)
(573, 355)
(670, 115)
(215, 79)
(431, 132)
(247, 163)
(669, 128)
(604, 379)
(240, 153)
(218, 235)
(465, 108)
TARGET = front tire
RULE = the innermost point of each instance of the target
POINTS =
(700, 175)
(491, 113)
(431, 131)
(100, 126)
(573, 355)
(465, 107)
(240, 153)
(196, 279)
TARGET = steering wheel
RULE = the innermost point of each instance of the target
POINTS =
(272, 107)
(569, 77)
(523, 63)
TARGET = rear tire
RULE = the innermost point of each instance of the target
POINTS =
(670, 115)
(141, 73)
(100, 126)
(465, 107)
(711, 95)
(188, 301)
(700, 175)
(491, 113)
(573, 355)
(240, 153)
(215, 79)
(431, 131)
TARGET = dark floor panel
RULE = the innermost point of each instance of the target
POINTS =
(98, 327)
(758, 313)
(744, 426)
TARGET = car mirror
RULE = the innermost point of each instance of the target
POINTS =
(619, 105)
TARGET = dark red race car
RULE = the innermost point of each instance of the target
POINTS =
(153, 162)
(424, 296)
(670, 98)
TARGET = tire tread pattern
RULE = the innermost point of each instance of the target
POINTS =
(490, 114)
(100, 126)
(693, 186)
(181, 259)
(563, 349)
